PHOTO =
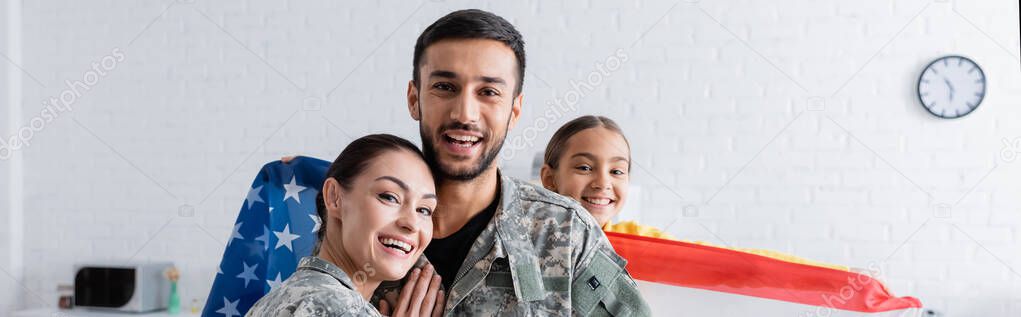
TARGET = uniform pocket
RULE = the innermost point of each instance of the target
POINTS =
(604, 289)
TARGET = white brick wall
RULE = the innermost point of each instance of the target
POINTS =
(11, 228)
(714, 96)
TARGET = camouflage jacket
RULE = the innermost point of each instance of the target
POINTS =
(542, 254)
(317, 288)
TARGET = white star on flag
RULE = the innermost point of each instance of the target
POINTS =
(236, 234)
(253, 196)
(317, 223)
(274, 282)
(249, 273)
(264, 238)
(285, 237)
(230, 308)
(293, 190)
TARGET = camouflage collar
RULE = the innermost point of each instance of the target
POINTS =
(508, 191)
(520, 253)
(324, 266)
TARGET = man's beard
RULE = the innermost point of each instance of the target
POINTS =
(437, 167)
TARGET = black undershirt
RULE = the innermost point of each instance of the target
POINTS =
(447, 254)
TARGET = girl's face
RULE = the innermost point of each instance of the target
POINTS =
(594, 171)
(385, 219)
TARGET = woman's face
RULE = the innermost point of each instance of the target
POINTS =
(594, 171)
(385, 219)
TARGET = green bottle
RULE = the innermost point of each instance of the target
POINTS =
(174, 306)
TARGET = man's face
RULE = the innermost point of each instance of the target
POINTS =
(465, 104)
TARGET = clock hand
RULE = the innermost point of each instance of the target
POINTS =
(950, 87)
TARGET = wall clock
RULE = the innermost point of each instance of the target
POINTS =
(951, 87)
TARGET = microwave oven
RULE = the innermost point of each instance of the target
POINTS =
(139, 287)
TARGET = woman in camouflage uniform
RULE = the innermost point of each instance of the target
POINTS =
(377, 204)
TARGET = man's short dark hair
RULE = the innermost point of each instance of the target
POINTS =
(471, 24)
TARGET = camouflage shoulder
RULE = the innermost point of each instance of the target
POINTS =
(321, 302)
(535, 193)
(332, 304)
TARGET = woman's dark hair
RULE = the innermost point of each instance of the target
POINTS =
(352, 162)
(471, 24)
(558, 143)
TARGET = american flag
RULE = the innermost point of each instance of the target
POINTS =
(275, 228)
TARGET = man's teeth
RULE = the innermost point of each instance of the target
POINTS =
(396, 244)
(465, 141)
(464, 138)
(598, 201)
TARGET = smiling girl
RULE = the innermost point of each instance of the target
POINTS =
(377, 204)
(589, 159)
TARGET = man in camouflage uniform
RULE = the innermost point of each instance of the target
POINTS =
(542, 254)
(501, 245)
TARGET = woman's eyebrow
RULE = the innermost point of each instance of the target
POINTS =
(395, 180)
(403, 186)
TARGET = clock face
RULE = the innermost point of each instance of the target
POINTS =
(951, 87)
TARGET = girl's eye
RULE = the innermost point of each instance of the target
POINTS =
(584, 168)
(425, 211)
(617, 172)
(388, 197)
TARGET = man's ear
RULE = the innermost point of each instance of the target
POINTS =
(516, 110)
(331, 198)
(414, 108)
(546, 176)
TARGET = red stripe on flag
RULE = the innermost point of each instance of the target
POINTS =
(717, 269)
